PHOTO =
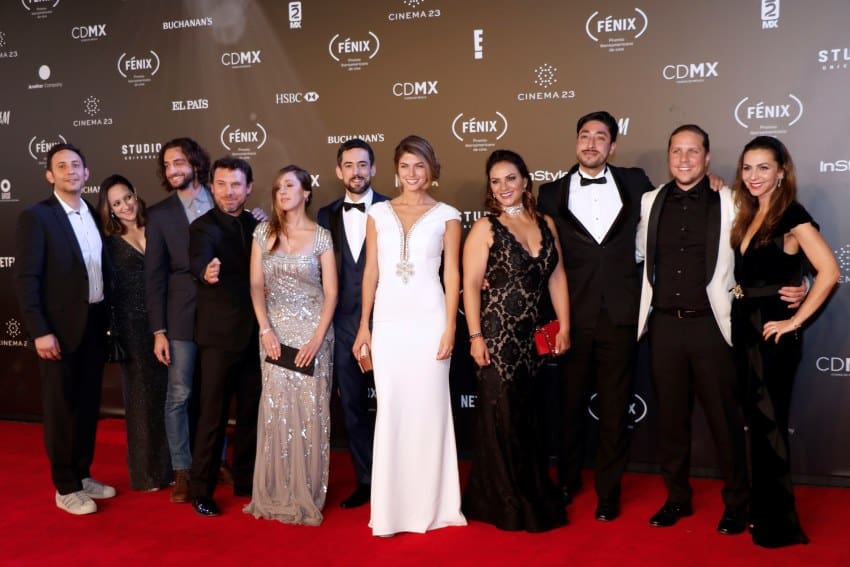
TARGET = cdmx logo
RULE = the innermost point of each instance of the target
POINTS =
(772, 117)
(633, 26)
(38, 147)
(637, 408)
(243, 142)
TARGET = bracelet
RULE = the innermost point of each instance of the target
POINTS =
(474, 336)
(265, 331)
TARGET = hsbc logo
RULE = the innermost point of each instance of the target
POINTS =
(690, 72)
(38, 147)
(296, 98)
(88, 33)
(241, 59)
(138, 70)
(480, 133)
(616, 33)
(415, 91)
(768, 117)
(243, 142)
(354, 54)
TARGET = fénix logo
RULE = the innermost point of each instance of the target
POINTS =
(416, 12)
(684, 73)
(190, 104)
(637, 411)
(834, 59)
(480, 133)
(545, 76)
(88, 33)
(39, 9)
(769, 14)
(616, 33)
(6, 192)
(241, 59)
(296, 97)
(354, 54)
(243, 142)
(768, 117)
(140, 150)
(188, 23)
(38, 147)
(478, 44)
(295, 15)
(419, 90)
(5, 116)
(138, 70)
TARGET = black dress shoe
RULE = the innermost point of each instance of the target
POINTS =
(732, 522)
(205, 506)
(607, 511)
(669, 514)
(568, 492)
(361, 495)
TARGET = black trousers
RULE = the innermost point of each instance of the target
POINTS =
(70, 391)
(225, 374)
(600, 359)
(690, 359)
(353, 393)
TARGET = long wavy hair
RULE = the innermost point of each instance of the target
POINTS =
(747, 205)
(112, 225)
(277, 223)
(491, 204)
(197, 156)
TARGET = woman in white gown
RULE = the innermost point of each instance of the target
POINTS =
(415, 484)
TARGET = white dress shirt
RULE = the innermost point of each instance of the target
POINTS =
(596, 205)
(354, 223)
(91, 245)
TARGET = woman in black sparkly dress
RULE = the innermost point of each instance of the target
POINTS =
(773, 236)
(145, 380)
(516, 251)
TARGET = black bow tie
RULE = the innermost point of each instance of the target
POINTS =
(591, 180)
(346, 206)
(679, 195)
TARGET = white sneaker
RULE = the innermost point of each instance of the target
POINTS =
(96, 489)
(78, 503)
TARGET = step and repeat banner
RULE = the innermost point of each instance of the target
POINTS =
(280, 82)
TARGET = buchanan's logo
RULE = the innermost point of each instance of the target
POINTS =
(38, 147)
(768, 117)
(480, 134)
(138, 70)
(354, 54)
(616, 33)
(243, 143)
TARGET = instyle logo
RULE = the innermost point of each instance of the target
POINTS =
(479, 133)
(140, 151)
(769, 14)
(138, 70)
(837, 166)
(39, 146)
(296, 97)
(39, 9)
(241, 59)
(416, 12)
(89, 33)
(4, 52)
(684, 73)
(842, 255)
(295, 15)
(545, 176)
(372, 138)
(6, 192)
(637, 408)
(92, 110)
(834, 59)
(354, 54)
(44, 74)
(14, 335)
(243, 142)
(204, 22)
(616, 33)
(5, 117)
(478, 44)
(546, 77)
(769, 117)
(419, 90)
(190, 104)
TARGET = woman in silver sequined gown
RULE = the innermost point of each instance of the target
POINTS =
(293, 287)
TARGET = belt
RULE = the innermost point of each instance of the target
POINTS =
(684, 313)
(740, 291)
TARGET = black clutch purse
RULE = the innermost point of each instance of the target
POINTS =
(114, 349)
(287, 360)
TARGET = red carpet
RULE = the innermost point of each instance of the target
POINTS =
(145, 529)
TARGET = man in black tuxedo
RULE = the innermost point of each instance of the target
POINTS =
(346, 219)
(596, 208)
(183, 168)
(61, 279)
(226, 333)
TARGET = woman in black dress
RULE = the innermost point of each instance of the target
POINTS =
(773, 237)
(515, 250)
(145, 380)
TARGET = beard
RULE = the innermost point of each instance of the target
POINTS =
(351, 188)
(187, 182)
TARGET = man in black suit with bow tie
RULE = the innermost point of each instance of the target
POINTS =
(596, 208)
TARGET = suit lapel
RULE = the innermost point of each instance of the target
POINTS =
(564, 207)
(625, 199)
(337, 230)
(712, 233)
(652, 231)
(65, 224)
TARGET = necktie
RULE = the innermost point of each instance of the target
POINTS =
(589, 181)
(346, 206)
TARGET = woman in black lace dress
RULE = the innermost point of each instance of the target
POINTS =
(515, 250)
(773, 236)
(145, 380)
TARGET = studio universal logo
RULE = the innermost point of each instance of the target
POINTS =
(616, 33)
(480, 134)
(354, 54)
(44, 73)
(768, 118)
(140, 150)
(834, 59)
(85, 34)
(38, 147)
(546, 77)
(138, 70)
(6, 53)
(91, 107)
(637, 409)
(39, 9)
(243, 143)
(6, 192)
(416, 11)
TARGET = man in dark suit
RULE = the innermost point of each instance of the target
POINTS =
(62, 274)
(183, 168)
(596, 209)
(346, 219)
(226, 333)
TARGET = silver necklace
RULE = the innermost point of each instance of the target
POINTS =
(513, 210)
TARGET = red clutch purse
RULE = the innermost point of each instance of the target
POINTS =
(544, 338)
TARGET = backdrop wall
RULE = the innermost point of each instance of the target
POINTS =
(279, 82)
